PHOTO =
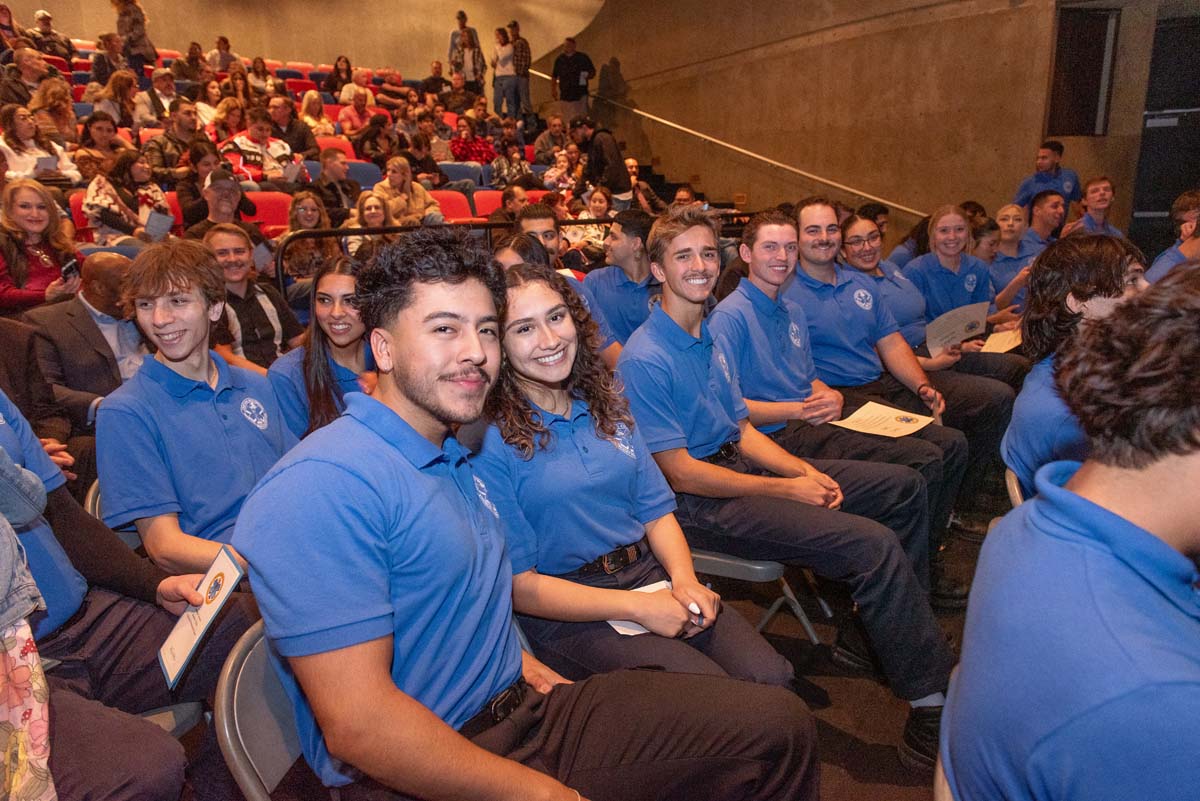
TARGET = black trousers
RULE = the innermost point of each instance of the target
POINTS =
(885, 560)
(940, 457)
(639, 735)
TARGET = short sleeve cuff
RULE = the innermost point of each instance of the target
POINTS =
(319, 642)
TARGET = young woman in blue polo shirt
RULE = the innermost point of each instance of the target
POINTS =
(1077, 278)
(311, 381)
(589, 517)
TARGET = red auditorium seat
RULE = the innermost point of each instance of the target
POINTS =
(338, 142)
(536, 195)
(332, 110)
(168, 54)
(380, 110)
(176, 210)
(529, 154)
(125, 134)
(450, 118)
(58, 62)
(300, 66)
(84, 44)
(298, 86)
(454, 206)
(77, 92)
(272, 64)
(272, 214)
(325, 68)
(83, 233)
(146, 134)
(486, 201)
(81, 64)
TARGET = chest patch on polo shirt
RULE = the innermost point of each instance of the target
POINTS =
(794, 335)
(622, 441)
(1067, 185)
(970, 282)
(724, 366)
(864, 299)
(482, 491)
(253, 411)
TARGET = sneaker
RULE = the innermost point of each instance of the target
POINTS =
(918, 748)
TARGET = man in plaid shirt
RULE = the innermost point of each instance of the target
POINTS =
(522, 59)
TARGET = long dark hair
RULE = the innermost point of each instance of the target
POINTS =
(325, 397)
(1081, 266)
(523, 428)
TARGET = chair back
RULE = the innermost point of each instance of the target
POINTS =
(1013, 485)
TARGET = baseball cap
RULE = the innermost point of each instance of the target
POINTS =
(221, 176)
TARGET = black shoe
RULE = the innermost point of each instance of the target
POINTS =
(918, 749)
(947, 593)
(852, 652)
(970, 526)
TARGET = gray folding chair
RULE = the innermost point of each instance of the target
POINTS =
(256, 728)
(91, 505)
(719, 564)
(1013, 485)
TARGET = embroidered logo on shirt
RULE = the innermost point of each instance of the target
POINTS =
(794, 335)
(622, 441)
(253, 411)
(2, 420)
(864, 299)
(724, 366)
(970, 282)
(1067, 185)
(481, 490)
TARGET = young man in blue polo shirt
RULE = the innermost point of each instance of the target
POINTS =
(389, 593)
(1185, 217)
(739, 493)
(766, 334)
(625, 289)
(1047, 211)
(1080, 675)
(1098, 194)
(181, 443)
(1050, 175)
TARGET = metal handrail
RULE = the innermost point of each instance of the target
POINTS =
(892, 204)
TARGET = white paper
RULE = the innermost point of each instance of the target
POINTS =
(219, 583)
(628, 627)
(47, 163)
(1002, 341)
(292, 171)
(955, 326)
(875, 418)
(158, 225)
(263, 258)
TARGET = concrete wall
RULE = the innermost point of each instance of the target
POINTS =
(407, 35)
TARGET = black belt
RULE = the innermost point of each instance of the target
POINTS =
(727, 453)
(501, 705)
(614, 560)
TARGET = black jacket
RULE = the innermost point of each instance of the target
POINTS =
(605, 165)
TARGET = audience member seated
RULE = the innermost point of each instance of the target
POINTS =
(223, 194)
(558, 177)
(589, 239)
(87, 346)
(151, 107)
(54, 112)
(338, 193)
(434, 86)
(167, 438)
(118, 205)
(256, 326)
(23, 145)
(47, 40)
(1047, 211)
(221, 58)
(208, 98)
(1098, 194)
(512, 200)
(237, 85)
(509, 168)
(480, 654)
(311, 381)
(34, 248)
(259, 158)
(392, 92)
(439, 148)
(312, 114)
(228, 122)
(108, 59)
(487, 124)
(354, 117)
(1085, 596)
(259, 76)
(377, 143)
(1075, 280)
(21, 78)
(469, 147)
(430, 175)
(626, 289)
(409, 203)
(202, 159)
(371, 211)
(304, 257)
(284, 126)
(166, 151)
(459, 98)
(117, 98)
(563, 587)
(550, 141)
(342, 74)
(1185, 219)
(360, 79)
(191, 67)
(406, 120)
(107, 613)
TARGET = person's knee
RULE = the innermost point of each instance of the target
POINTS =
(779, 715)
(150, 768)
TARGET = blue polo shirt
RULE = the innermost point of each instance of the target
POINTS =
(904, 300)
(61, 584)
(1080, 671)
(625, 304)
(1168, 260)
(286, 375)
(1093, 227)
(768, 341)
(903, 253)
(168, 444)
(402, 541)
(1062, 180)
(683, 391)
(845, 320)
(613, 491)
(946, 290)
(1035, 241)
(1042, 428)
(1005, 268)
(606, 333)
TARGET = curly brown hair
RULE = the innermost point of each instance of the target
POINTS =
(590, 380)
(1131, 378)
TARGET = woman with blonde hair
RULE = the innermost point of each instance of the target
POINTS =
(371, 211)
(34, 248)
(304, 257)
(54, 112)
(116, 98)
(312, 114)
(228, 121)
(408, 201)
(1013, 257)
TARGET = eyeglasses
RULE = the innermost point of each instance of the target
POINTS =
(856, 242)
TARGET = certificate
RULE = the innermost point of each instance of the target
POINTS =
(1002, 341)
(291, 171)
(158, 225)
(219, 583)
(47, 163)
(628, 627)
(263, 257)
(875, 418)
(955, 326)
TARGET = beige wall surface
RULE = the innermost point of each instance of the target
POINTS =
(405, 35)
